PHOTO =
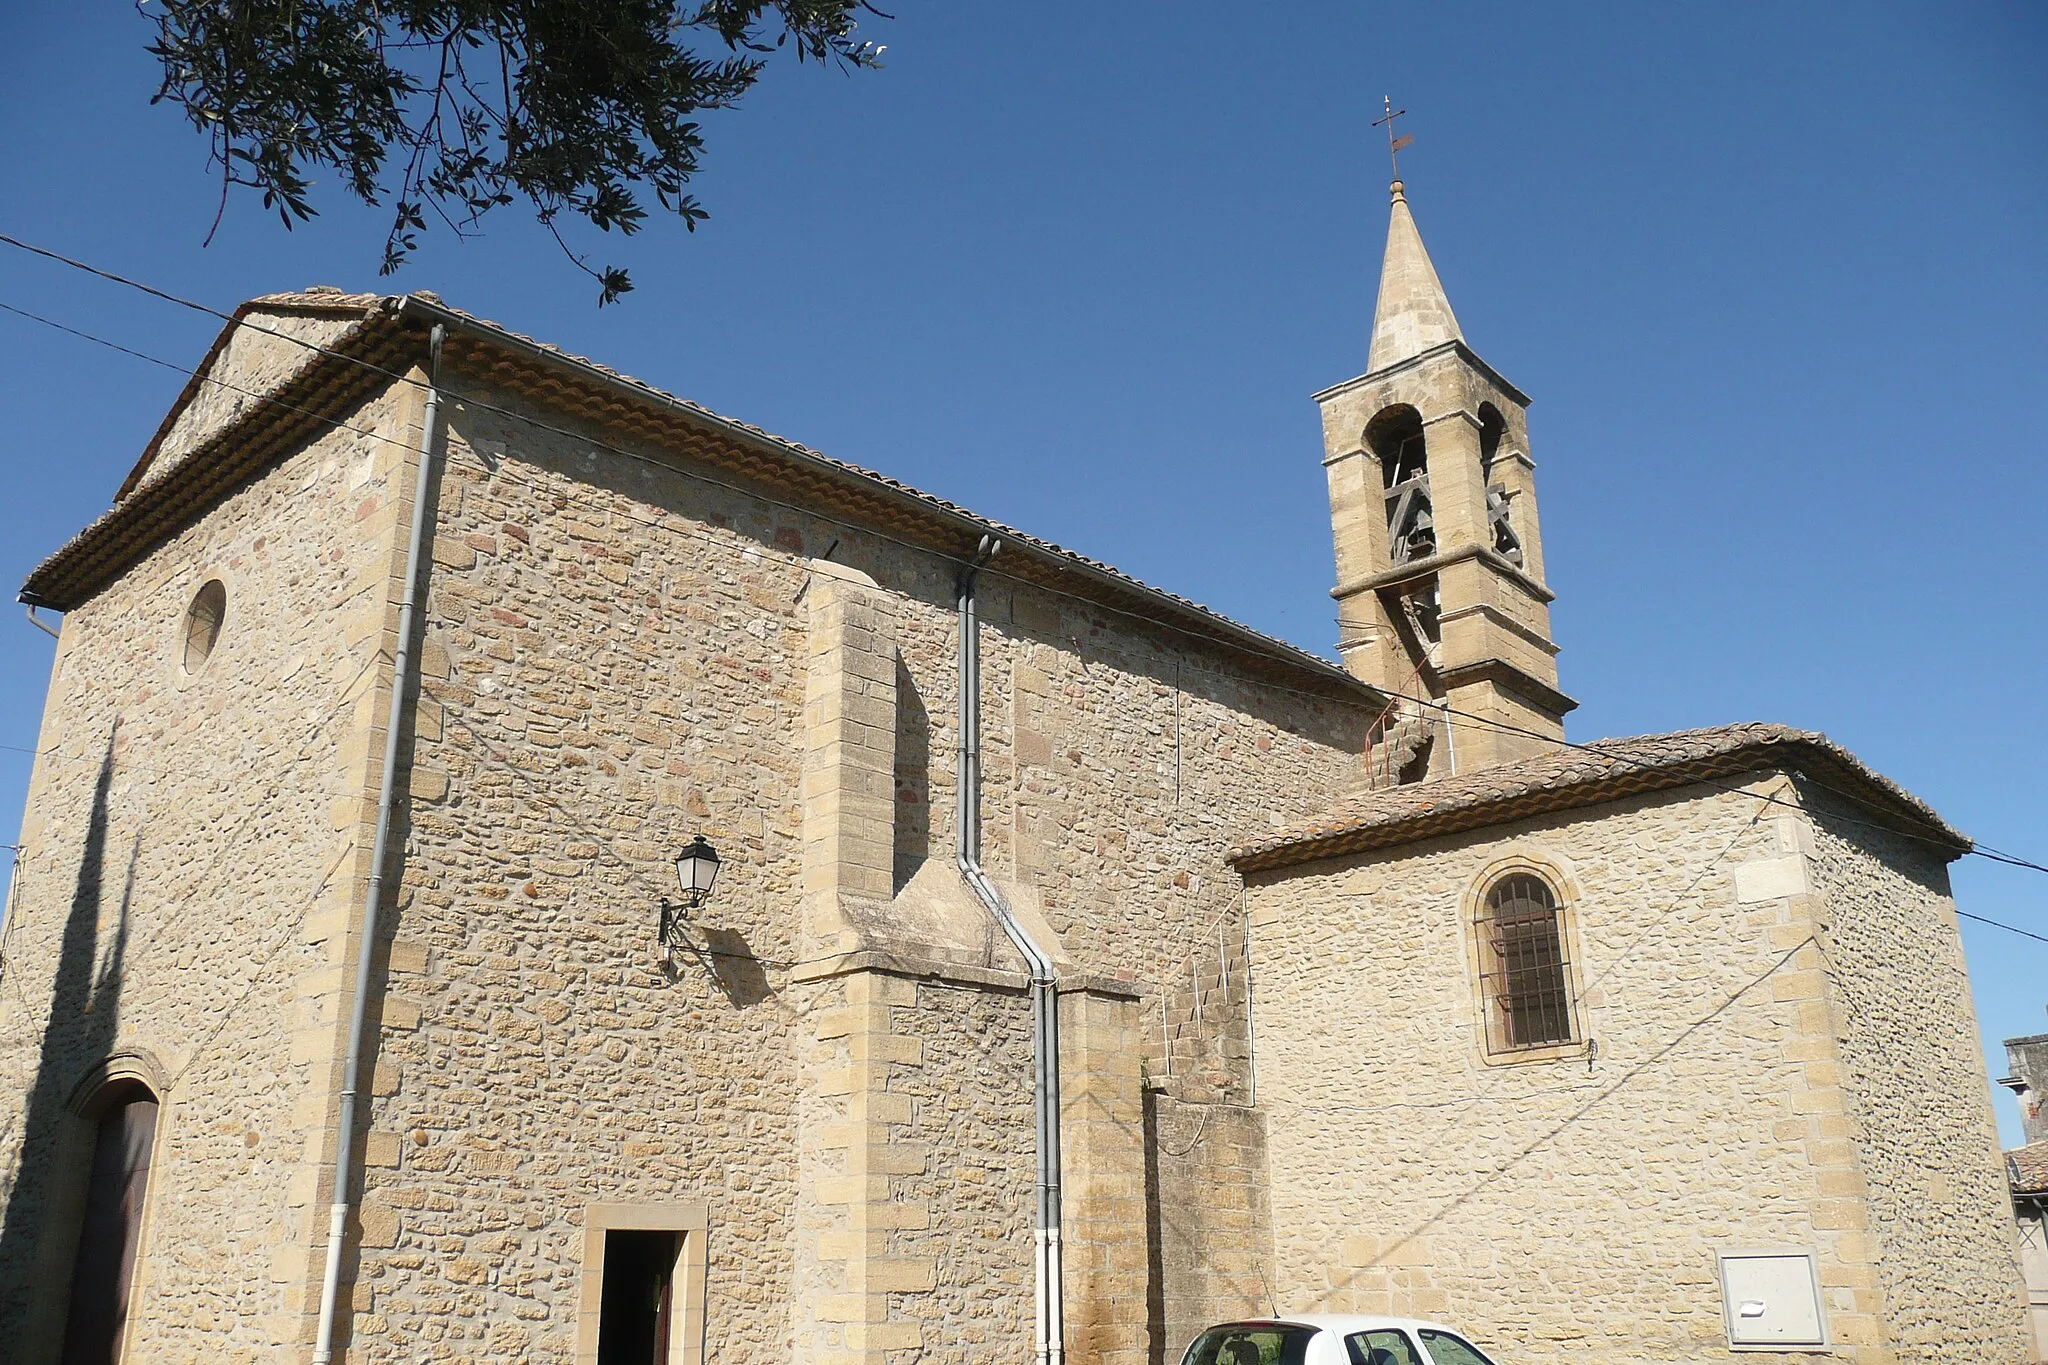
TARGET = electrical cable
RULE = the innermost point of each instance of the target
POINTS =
(232, 320)
(1473, 721)
(1976, 850)
(700, 476)
(2000, 924)
(652, 523)
(1598, 1090)
(109, 275)
(1984, 851)
(1092, 602)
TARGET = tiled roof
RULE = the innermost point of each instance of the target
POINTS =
(2027, 1168)
(391, 323)
(1009, 534)
(1584, 775)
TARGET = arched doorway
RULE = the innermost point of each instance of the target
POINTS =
(110, 1228)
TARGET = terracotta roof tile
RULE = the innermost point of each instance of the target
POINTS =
(2027, 1168)
(1578, 776)
(317, 297)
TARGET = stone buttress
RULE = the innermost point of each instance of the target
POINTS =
(917, 1078)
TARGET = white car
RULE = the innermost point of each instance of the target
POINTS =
(1330, 1339)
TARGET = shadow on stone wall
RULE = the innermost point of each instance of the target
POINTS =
(1208, 1219)
(1155, 1267)
(913, 784)
(739, 975)
(78, 1033)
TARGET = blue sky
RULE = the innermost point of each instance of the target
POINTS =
(1776, 277)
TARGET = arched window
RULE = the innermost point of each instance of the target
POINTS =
(103, 1273)
(203, 622)
(1524, 974)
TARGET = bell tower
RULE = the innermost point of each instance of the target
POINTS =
(1440, 591)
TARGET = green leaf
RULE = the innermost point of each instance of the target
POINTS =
(450, 109)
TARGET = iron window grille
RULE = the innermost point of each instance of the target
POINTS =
(1524, 972)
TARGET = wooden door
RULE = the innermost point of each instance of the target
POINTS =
(103, 1275)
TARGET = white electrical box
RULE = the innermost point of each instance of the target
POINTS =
(1772, 1299)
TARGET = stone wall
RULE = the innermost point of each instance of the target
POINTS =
(256, 359)
(621, 655)
(1209, 1219)
(2026, 1062)
(973, 1128)
(603, 680)
(193, 851)
(1918, 1100)
(832, 1071)
(1572, 1207)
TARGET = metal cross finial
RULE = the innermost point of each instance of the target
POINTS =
(1394, 144)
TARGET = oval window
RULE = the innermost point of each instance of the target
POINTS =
(203, 621)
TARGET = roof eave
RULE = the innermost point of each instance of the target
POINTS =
(104, 549)
(1905, 813)
(971, 528)
(267, 303)
(133, 527)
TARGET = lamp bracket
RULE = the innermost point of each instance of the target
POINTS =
(674, 923)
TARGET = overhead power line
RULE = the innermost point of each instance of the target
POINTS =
(1984, 851)
(1500, 726)
(795, 561)
(484, 405)
(76, 264)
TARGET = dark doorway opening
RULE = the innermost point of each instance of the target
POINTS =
(103, 1275)
(633, 1325)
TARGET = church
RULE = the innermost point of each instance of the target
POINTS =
(521, 867)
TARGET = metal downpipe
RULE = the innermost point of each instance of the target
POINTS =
(387, 787)
(1048, 1254)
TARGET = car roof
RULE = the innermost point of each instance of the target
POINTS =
(1347, 1323)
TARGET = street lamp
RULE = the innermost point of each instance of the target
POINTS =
(697, 871)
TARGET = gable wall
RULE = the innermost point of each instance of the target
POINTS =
(261, 356)
(625, 660)
(192, 852)
(1573, 1207)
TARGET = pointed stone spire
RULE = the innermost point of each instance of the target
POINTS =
(1413, 314)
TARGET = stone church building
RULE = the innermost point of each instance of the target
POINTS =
(1081, 968)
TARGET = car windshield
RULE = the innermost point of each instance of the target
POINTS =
(1447, 1349)
(1251, 1343)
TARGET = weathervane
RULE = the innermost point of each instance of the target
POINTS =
(1394, 144)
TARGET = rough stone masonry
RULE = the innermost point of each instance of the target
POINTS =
(1269, 884)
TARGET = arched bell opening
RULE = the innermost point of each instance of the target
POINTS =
(1395, 439)
(1493, 433)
